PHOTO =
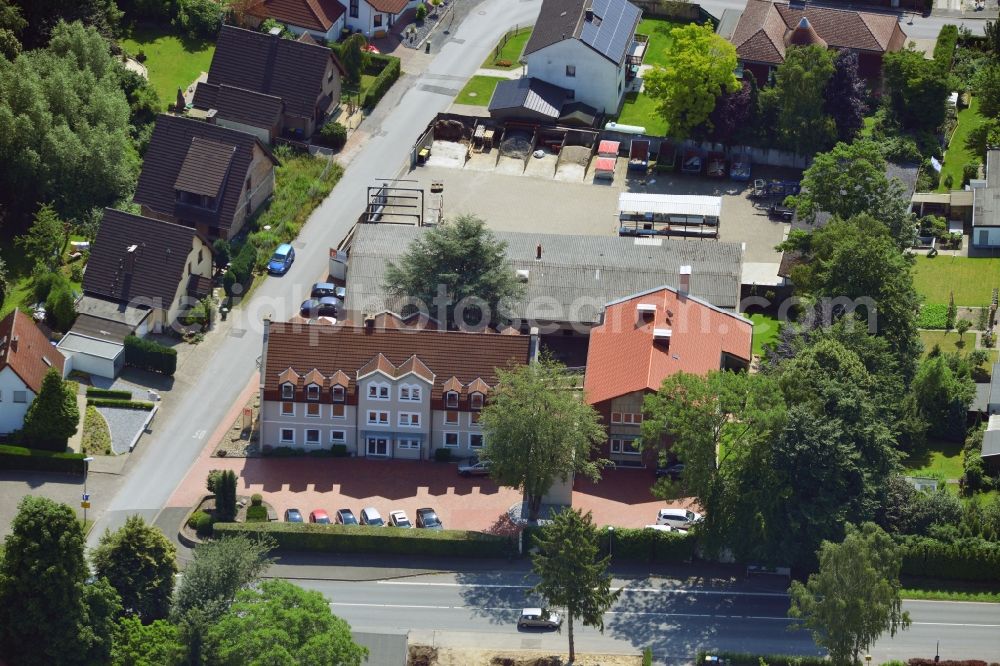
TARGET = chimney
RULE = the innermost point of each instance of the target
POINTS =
(538, 252)
(130, 258)
(13, 343)
(533, 349)
(589, 15)
(684, 285)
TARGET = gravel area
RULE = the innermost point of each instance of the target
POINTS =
(516, 143)
(575, 155)
(124, 425)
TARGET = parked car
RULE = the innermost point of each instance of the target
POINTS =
(370, 516)
(319, 516)
(673, 471)
(428, 519)
(681, 518)
(346, 517)
(322, 289)
(538, 617)
(328, 306)
(662, 528)
(480, 468)
(399, 519)
(293, 516)
(281, 260)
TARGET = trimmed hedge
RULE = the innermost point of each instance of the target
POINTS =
(256, 514)
(21, 458)
(373, 540)
(750, 659)
(380, 86)
(94, 392)
(944, 47)
(965, 559)
(933, 315)
(150, 355)
(120, 404)
(639, 544)
(918, 661)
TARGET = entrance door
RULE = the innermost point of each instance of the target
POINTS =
(984, 237)
(377, 446)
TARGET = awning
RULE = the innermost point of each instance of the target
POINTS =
(393, 435)
(605, 164)
(608, 148)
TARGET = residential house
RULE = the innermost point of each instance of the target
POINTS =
(381, 392)
(766, 30)
(986, 204)
(583, 46)
(205, 176)
(25, 356)
(269, 86)
(643, 339)
(148, 264)
(374, 18)
(324, 19)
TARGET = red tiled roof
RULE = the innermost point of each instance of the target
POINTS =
(622, 356)
(31, 355)
(388, 6)
(356, 350)
(319, 15)
(764, 30)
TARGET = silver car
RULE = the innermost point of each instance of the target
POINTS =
(539, 618)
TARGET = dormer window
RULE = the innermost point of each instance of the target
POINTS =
(337, 393)
(287, 391)
(476, 400)
(451, 399)
(312, 392)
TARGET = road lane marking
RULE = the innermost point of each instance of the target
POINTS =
(344, 603)
(644, 590)
(955, 624)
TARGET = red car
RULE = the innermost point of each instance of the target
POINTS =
(320, 517)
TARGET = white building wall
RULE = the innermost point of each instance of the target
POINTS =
(365, 20)
(12, 413)
(598, 81)
(273, 422)
(331, 35)
(193, 266)
(991, 236)
(464, 428)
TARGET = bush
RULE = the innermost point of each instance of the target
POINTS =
(120, 404)
(283, 452)
(94, 392)
(225, 496)
(242, 266)
(76, 272)
(442, 455)
(332, 135)
(222, 252)
(339, 450)
(372, 540)
(918, 661)
(645, 545)
(256, 514)
(944, 48)
(933, 315)
(199, 19)
(749, 659)
(969, 172)
(212, 480)
(971, 559)
(35, 460)
(421, 11)
(380, 86)
(149, 355)
(256, 500)
(61, 307)
(201, 523)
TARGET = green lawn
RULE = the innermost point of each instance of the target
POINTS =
(478, 90)
(765, 331)
(958, 153)
(972, 280)
(658, 31)
(510, 52)
(641, 110)
(19, 275)
(358, 92)
(173, 62)
(936, 458)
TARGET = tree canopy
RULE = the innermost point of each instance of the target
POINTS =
(943, 397)
(918, 89)
(539, 430)
(43, 16)
(138, 644)
(799, 85)
(457, 273)
(700, 66)
(53, 416)
(845, 95)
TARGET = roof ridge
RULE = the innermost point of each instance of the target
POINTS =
(864, 19)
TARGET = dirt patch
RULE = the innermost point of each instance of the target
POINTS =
(422, 655)
(516, 144)
(575, 155)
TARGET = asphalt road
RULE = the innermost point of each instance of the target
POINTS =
(480, 610)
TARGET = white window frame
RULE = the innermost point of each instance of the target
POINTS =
(312, 392)
(341, 440)
(338, 393)
(482, 440)
(388, 446)
(319, 410)
(378, 420)
(475, 398)
(458, 417)
(21, 397)
(333, 411)
(408, 444)
(287, 402)
(409, 420)
(379, 391)
(448, 396)
(446, 435)
(618, 445)
(281, 435)
(287, 391)
(319, 438)
(413, 393)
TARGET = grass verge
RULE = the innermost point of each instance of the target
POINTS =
(931, 589)
(959, 153)
(479, 90)
(765, 331)
(172, 61)
(971, 279)
(96, 435)
(510, 52)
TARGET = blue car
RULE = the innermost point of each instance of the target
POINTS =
(281, 260)
(293, 516)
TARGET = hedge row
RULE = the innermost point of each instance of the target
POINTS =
(965, 559)
(639, 544)
(380, 86)
(94, 392)
(21, 458)
(944, 47)
(373, 540)
(120, 404)
(241, 268)
(750, 659)
(918, 661)
(149, 355)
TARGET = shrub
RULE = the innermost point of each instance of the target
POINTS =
(339, 450)
(140, 56)
(199, 19)
(222, 252)
(225, 496)
(918, 661)
(442, 455)
(94, 392)
(120, 404)
(212, 480)
(35, 460)
(201, 523)
(372, 540)
(749, 659)
(284, 452)
(645, 545)
(380, 86)
(933, 315)
(61, 307)
(969, 172)
(332, 135)
(421, 11)
(243, 265)
(971, 559)
(150, 355)
(76, 272)
(256, 514)
(944, 48)
(228, 280)
(256, 499)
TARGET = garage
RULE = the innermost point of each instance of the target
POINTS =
(95, 357)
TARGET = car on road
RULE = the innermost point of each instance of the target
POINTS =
(399, 519)
(428, 519)
(346, 517)
(281, 260)
(538, 618)
(680, 518)
(480, 468)
(328, 306)
(293, 516)
(319, 516)
(673, 471)
(322, 289)
(371, 516)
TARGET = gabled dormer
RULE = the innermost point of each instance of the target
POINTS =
(203, 175)
(451, 392)
(288, 381)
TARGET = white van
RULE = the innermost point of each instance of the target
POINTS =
(679, 518)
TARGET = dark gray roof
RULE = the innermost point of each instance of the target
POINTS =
(991, 438)
(986, 200)
(981, 401)
(239, 104)
(102, 329)
(205, 167)
(576, 277)
(531, 94)
(609, 32)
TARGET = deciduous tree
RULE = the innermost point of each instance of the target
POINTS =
(918, 89)
(53, 415)
(538, 430)
(138, 644)
(354, 57)
(42, 17)
(140, 563)
(280, 623)
(733, 112)
(799, 83)
(854, 597)
(943, 397)
(43, 243)
(845, 94)
(571, 572)
(699, 69)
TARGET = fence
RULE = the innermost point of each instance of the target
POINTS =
(768, 156)
(510, 34)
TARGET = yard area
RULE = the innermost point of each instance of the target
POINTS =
(658, 31)
(971, 279)
(640, 109)
(19, 285)
(479, 90)
(959, 154)
(173, 62)
(936, 458)
(765, 331)
(510, 51)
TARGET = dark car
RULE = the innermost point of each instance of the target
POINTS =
(322, 289)
(293, 516)
(673, 471)
(428, 519)
(281, 260)
(328, 306)
(346, 517)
